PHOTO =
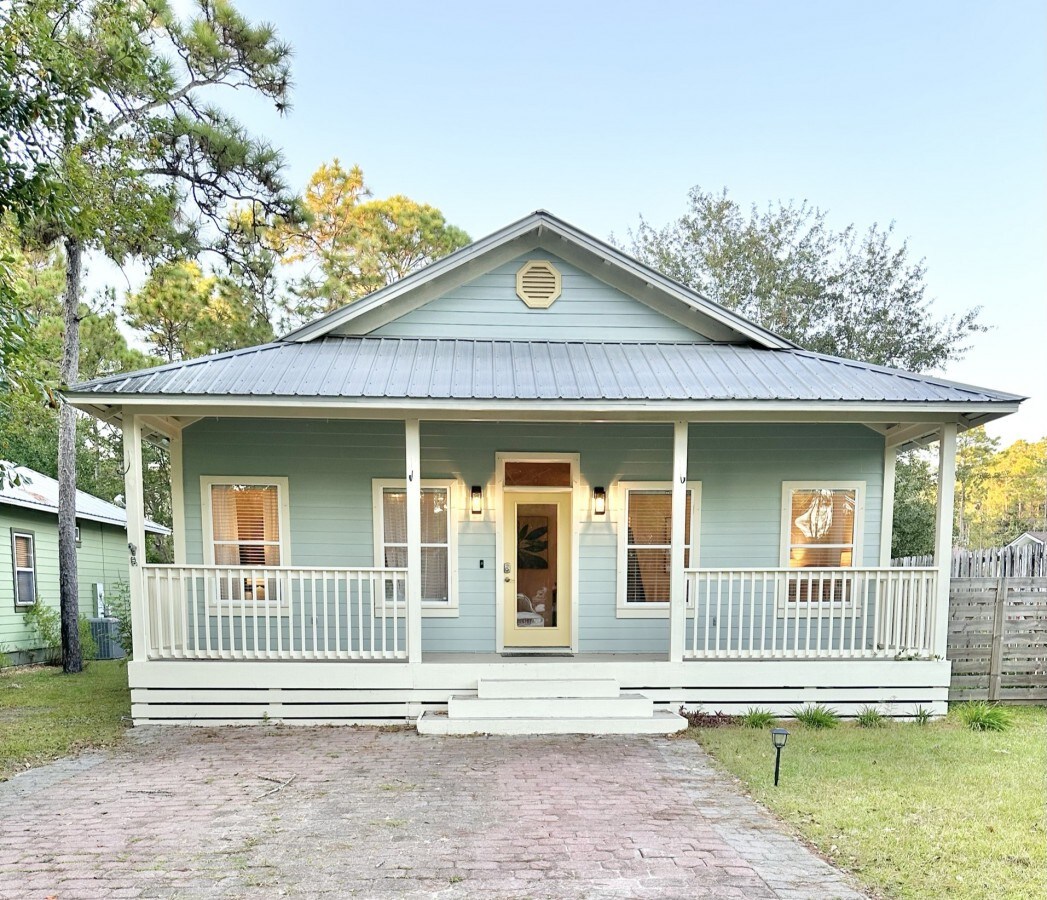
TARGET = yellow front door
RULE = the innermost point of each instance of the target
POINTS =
(537, 576)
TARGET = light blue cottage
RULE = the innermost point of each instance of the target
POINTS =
(536, 486)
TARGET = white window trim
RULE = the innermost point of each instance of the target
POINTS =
(207, 515)
(431, 609)
(15, 568)
(859, 488)
(650, 609)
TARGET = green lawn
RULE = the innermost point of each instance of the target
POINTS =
(921, 812)
(45, 715)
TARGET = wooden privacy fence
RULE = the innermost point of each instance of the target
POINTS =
(1030, 561)
(998, 638)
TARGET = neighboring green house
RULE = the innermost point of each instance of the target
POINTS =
(29, 524)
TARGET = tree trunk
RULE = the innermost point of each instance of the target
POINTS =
(68, 584)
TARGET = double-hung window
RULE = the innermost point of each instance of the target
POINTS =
(645, 544)
(438, 547)
(23, 558)
(245, 521)
(821, 529)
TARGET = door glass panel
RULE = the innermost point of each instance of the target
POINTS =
(537, 474)
(536, 563)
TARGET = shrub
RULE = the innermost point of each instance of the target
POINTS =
(47, 623)
(978, 715)
(88, 645)
(816, 715)
(757, 717)
(870, 717)
(921, 715)
(699, 718)
(120, 609)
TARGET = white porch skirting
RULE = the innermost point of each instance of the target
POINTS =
(215, 692)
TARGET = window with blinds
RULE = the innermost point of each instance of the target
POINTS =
(821, 529)
(648, 543)
(436, 534)
(245, 521)
(23, 555)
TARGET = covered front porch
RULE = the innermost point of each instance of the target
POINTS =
(366, 642)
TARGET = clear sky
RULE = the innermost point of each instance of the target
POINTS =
(929, 114)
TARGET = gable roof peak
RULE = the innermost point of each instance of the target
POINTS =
(579, 248)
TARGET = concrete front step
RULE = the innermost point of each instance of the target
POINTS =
(538, 688)
(624, 706)
(662, 722)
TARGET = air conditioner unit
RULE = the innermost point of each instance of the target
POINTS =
(106, 638)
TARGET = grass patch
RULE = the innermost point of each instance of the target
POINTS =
(45, 714)
(870, 717)
(758, 717)
(816, 715)
(982, 716)
(915, 812)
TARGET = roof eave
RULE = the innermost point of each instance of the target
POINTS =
(109, 405)
(87, 517)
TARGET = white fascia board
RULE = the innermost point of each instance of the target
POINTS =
(380, 407)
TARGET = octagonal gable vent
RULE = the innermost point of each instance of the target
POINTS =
(538, 283)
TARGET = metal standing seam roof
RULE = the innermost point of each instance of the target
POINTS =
(40, 492)
(355, 368)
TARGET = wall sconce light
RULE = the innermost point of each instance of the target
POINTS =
(778, 737)
(599, 501)
(476, 495)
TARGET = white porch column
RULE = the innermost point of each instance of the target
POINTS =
(177, 498)
(134, 505)
(943, 533)
(677, 582)
(414, 540)
(890, 462)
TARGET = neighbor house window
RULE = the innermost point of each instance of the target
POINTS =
(645, 543)
(821, 529)
(438, 533)
(248, 522)
(23, 552)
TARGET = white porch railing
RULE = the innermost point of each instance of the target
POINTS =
(853, 613)
(282, 612)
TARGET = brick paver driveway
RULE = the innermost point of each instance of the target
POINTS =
(343, 812)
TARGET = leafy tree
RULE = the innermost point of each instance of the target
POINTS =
(350, 246)
(184, 313)
(1009, 495)
(974, 453)
(915, 496)
(838, 292)
(152, 169)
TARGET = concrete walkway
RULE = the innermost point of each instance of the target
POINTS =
(343, 812)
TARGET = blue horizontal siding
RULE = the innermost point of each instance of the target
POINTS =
(330, 465)
(587, 309)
